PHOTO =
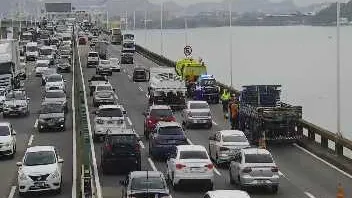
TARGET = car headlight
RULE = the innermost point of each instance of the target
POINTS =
(8, 144)
(55, 174)
(22, 176)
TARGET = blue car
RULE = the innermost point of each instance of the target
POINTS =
(165, 138)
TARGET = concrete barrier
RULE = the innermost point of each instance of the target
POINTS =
(321, 142)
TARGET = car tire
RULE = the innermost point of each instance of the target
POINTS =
(175, 186)
(13, 152)
(58, 191)
(275, 189)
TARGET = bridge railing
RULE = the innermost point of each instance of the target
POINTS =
(313, 134)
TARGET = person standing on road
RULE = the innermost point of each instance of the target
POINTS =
(233, 109)
(225, 97)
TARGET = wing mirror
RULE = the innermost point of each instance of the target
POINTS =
(28, 99)
(60, 160)
(19, 163)
(13, 132)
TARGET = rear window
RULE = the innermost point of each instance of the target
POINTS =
(93, 54)
(234, 138)
(111, 112)
(125, 139)
(193, 155)
(171, 130)
(144, 183)
(258, 158)
(199, 106)
(139, 72)
(161, 112)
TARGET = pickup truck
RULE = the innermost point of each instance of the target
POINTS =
(94, 80)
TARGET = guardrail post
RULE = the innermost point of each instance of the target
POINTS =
(338, 147)
(311, 134)
(324, 142)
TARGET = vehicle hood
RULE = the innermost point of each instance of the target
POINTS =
(54, 84)
(62, 100)
(5, 139)
(39, 170)
(51, 115)
(200, 112)
(13, 103)
(63, 65)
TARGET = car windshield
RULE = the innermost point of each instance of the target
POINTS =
(258, 158)
(234, 138)
(93, 55)
(110, 112)
(31, 48)
(16, 95)
(55, 94)
(105, 62)
(51, 108)
(193, 155)
(4, 131)
(208, 82)
(170, 130)
(199, 106)
(161, 112)
(46, 51)
(39, 158)
(98, 78)
(104, 88)
(143, 183)
(54, 78)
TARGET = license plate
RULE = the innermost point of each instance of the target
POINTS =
(39, 184)
(196, 170)
(261, 181)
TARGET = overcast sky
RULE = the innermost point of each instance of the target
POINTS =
(298, 2)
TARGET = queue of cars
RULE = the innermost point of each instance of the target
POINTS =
(41, 166)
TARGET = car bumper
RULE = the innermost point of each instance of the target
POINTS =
(45, 125)
(5, 150)
(260, 181)
(104, 102)
(31, 186)
(199, 121)
(196, 177)
(14, 111)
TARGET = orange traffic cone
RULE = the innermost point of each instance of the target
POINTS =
(340, 192)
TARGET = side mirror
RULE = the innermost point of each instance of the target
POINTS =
(19, 163)
(60, 160)
(28, 99)
(13, 132)
(124, 112)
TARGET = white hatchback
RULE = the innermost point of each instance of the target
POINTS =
(190, 163)
(40, 170)
(115, 64)
(54, 82)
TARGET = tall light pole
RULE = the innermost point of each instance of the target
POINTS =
(230, 14)
(134, 20)
(145, 27)
(107, 20)
(338, 75)
(161, 29)
(186, 35)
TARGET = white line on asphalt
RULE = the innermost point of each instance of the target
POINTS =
(325, 162)
(189, 141)
(129, 121)
(74, 149)
(309, 195)
(140, 88)
(30, 141)
(141, 144)
(36, 123)
(95, 167)
(214, 123)
(12, 191)
(152, 164)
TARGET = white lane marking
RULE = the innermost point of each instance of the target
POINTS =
(36, 123)
(152, 164)
(189, 141)
(74, 145)
(140, 88)
(129, 121)
(325, 162)
(216, 171)
(30, 141)
(214, 123)
(12, 191)
(309, 195)
(95, 167)
(141, 144)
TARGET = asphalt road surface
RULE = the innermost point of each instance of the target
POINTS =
(301, 175)
(27, 135)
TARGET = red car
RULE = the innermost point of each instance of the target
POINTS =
(154, 114)
(82, 41)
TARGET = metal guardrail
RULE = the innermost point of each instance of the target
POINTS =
(311, 131)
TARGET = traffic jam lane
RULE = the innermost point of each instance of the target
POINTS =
(109, 183)
(26, 137)
(287, 188)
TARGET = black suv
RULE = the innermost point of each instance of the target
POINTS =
(122, 151)
(51, 116)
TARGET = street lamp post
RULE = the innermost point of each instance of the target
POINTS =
(338, 75)
(161, 31)
(230, 15)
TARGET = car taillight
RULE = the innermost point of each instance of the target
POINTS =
(224, 149)
(173, 119)
(247, 170)
(180, 166)
(108, 147)
(274, 169)
(209, 166)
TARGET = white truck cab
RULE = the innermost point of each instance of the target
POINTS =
(32, 52)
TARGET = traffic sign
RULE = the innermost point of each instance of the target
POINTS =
(187, 50)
